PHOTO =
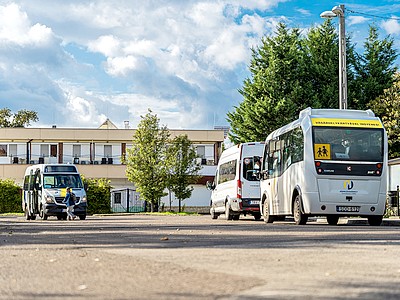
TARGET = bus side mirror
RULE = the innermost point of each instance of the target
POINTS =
(85, 187)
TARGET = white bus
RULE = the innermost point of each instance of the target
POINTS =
(236, 188)
(45, 188)
(328, 162)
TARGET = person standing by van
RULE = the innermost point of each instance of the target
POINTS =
(69, 201)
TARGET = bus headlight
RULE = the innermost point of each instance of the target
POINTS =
(84, 199)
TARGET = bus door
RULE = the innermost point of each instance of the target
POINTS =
(36, 192)
(274, 172)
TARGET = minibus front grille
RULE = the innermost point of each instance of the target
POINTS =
(61, 199)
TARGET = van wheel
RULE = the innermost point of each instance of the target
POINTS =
(213, 214)
(82, 217)
(42, 214)
(257, 216)
(375, 220)
(332, 220)
(267, 217)
(235, 217)
(27, 214)
(299, 217)
(228, 211)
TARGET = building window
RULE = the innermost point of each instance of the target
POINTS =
(44, 150)
(107, 151)
(12, 150)
(3, 150)
(53, 150)
(117, 198)
(76, 150)
(201, 151)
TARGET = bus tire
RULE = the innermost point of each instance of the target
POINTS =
(267, 217)
(228, 211)
(332, 219)
(299, 217)
(82, 217)
(213, 214)
(375, 220)
(236, 217)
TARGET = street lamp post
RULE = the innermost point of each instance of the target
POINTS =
(338, 11)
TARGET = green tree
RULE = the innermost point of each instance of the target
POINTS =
(10, 196)
(22, 118)
(375, 68)
(387, 107)
(98, 195)
(182, 167)
(145, 162)
(275, 93)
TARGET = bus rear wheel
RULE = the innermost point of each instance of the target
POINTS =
(213, 214)
(299, 217)
(332, 220)
(375, 220)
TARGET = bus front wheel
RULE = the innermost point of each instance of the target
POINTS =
(267, 217)
(299, 217)
(228, 212)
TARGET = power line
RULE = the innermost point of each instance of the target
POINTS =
(371, 15)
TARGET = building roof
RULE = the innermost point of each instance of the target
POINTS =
(107, 124)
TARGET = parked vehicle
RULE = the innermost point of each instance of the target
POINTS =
(328, 162)
(45, 189)
(236, 188)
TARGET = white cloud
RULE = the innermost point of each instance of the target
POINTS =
(304, 12)
(353, 20)
(258, 4)
(16, 28)
(391, 26)
(105, 44)
(121, 66)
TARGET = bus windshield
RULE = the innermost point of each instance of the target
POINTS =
(62, 181)
(350, 144)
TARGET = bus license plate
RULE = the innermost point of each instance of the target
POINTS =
(254, 202)
(347, 208)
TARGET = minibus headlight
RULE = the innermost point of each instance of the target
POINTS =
(84, 199)
(49, 199)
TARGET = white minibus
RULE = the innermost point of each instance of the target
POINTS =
(236, 188)
(45, 189)
(328, 162)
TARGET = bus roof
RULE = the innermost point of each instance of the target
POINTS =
(309, 113)
(52, 168)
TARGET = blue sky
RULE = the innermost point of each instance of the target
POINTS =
(79, 62)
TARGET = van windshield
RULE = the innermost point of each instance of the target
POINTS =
(250, 168)
(62, 181)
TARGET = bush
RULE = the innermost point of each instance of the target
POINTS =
(10, 196)
(98, 196)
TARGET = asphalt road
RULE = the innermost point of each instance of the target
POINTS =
(194, 257)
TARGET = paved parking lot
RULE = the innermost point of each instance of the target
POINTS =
(194, 257)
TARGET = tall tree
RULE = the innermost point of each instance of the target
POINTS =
(274, 94)
(22, 118)
(182, 167)
(146, 159)
(375, 69)
(387, 107)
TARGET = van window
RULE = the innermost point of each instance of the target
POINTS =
(227, 171)
(250, 169)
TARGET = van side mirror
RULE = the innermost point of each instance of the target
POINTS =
(85, 186)
(210, 185)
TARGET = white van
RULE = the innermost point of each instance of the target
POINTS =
(45, 188)
(236, 189)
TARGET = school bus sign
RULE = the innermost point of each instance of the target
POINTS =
(346, 123)
(322, 151)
